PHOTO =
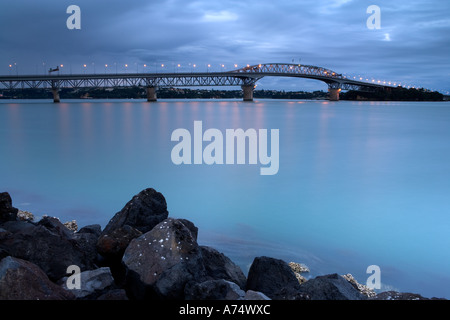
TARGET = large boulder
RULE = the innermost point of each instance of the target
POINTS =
(144, 211)
(331, 287)
(7, 211)
(112, 245)
(219, 266)
(274, 278)
(48, 244)
(23, 280)
(214, 290)
(161, 262)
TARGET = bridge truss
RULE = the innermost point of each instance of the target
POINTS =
(245, 77)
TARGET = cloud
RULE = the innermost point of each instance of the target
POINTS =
(221, 16)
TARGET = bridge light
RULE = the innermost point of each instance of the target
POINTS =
(235, 65)
(162, 65)
(126, 66)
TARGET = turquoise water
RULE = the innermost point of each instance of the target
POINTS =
(359, 183)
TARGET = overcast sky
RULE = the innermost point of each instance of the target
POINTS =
(412, 46)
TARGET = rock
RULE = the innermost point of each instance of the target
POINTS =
(93, 283)
(298, 267)
(7, 211)
(394, 295)
(53, 224)
(274, 278)
(25, 216)
(214, 290)
(255, 295)
(87, 242)
(16, 226)
(95, 229)
(112, 245)
(218, 266)
(23, 280)
(161, 262)
(331, 287)
(144, 211)
(191, 226)
(365, 290)
(71, 225)
(48, 244)
(301, 279)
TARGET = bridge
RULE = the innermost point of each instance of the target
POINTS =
(245, 77)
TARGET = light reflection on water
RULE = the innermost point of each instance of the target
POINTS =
(360, 183)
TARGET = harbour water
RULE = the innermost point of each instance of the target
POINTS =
(359, 183)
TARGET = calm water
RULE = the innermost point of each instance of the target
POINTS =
(359, 183)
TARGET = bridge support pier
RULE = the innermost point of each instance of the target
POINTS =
(151, 94)
(55, 92)
(334, 94)
(248, 92)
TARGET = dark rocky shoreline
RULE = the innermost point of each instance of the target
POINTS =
(141, 254)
